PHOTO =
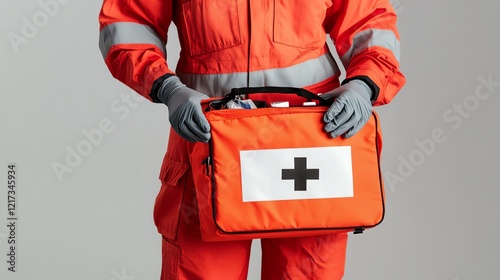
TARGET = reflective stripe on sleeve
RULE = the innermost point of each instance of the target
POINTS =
(307, 73)
(128, 33)
(371, 38)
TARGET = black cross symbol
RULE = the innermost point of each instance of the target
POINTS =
(300, 174)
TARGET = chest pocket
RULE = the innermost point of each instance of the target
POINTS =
(299, 23)
(210, 25)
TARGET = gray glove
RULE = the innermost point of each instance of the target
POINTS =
(350, 110)
(184, 109)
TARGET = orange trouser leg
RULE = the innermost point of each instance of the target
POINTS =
(304, 258)
(190, 258)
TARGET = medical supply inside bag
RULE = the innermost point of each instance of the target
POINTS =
(266, 97)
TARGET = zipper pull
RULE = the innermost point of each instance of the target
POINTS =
(207, 162)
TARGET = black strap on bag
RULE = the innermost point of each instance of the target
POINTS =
(238, 92)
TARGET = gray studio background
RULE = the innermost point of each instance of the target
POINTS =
(440, 156)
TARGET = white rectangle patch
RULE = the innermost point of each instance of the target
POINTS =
(293, 174)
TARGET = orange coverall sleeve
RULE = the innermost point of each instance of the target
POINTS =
(133, 35)
(367, 41)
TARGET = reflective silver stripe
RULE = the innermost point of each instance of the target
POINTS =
(370, 38)
(300, 75)
(128, 33)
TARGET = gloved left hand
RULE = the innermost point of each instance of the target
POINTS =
(350, 110)
(184, 109)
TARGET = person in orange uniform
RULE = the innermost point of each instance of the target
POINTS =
(247, 43)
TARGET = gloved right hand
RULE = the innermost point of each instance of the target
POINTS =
(184, 109)
(350, 110)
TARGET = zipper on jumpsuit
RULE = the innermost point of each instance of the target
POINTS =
(249, 41)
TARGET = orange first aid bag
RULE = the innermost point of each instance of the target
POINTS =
(274, 172)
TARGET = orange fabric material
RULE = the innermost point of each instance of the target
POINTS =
(138, 65)
(319, 257)
(223, 214)
(174, 169)
(185, 256)
(188, 257)
(137, 69)
(224, 36)
(227, 36)
(377, 63)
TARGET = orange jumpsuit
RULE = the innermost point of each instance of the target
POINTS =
(240, 43)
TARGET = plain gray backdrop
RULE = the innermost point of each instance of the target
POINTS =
(94, 220)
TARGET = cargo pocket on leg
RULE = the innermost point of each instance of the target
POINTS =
(169, 200)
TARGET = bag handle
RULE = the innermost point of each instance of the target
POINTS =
(271, 89)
